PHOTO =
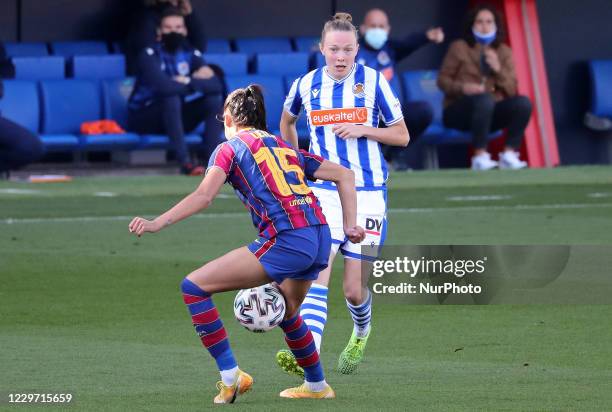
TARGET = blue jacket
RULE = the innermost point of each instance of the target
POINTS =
(156, 69)
(385, 59)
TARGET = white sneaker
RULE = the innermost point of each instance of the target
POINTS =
(509, 159)
(483, 162)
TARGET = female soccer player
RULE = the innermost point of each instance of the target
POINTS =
(343, 102)
(293, 243)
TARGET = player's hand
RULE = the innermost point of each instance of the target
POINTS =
(492, 59)
(140, 225)
(204, 72)
(473, 88)
(355, 234)
(435, 35)
(348, 131)
(182, 79)
(185, 7)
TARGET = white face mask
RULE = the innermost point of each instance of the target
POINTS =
(483, 38)
(376, 38)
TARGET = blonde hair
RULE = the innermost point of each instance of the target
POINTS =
(340, 22)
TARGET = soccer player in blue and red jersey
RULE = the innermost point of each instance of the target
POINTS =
(293, 244)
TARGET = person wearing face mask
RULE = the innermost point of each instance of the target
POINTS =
(145, 19)
(168, 71)
(378, 51)
(479, 82)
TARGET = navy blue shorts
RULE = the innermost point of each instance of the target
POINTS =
(294, 254)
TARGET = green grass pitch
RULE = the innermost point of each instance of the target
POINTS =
(89, 309)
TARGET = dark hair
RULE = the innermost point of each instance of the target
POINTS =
(170, 12)
(468, 36)
(340, 22)
(247, 108)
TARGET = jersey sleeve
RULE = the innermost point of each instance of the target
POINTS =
(387, 102)
(293, 102)
(224, 157)
(311, 163)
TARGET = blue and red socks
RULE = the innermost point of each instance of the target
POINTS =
(209, 328)
(300, 341)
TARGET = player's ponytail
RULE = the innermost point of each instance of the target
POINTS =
(247, 108)
(339, 22)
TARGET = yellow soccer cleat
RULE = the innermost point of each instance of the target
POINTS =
(302, 392)
(228, 394)
(288, 363)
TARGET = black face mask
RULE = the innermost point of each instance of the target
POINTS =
(172, 41)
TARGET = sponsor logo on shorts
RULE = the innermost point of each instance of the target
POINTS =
(373, 226)
(355, 115)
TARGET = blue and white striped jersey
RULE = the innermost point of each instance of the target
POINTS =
(362, 97)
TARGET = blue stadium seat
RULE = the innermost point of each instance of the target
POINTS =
(20, 103)
(255, 45)
(306, 44)
(39, 68)
(231, 63)
(319, 60)
(396, 85)
(274, 95)
(217, 46)
(26, 49)
(110, 66)
(115, 95)
(68, 103)
(73, 48)
(421, 85)
(601, 87)
(281, 64)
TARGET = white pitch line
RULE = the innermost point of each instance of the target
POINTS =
(599, 195)
(232, 215)
(475, 198)
(13, 191)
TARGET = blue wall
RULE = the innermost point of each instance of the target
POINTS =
(574, 32)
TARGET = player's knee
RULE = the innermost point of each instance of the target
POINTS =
(189, 286)
(352, 293)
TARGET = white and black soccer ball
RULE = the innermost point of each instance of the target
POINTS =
(259, 309)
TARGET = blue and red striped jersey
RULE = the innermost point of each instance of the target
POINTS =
(268, 176)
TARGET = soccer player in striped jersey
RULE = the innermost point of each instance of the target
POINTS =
(292, 247)
(343, 102)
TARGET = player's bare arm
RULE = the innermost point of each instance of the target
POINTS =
(287, 128)
(394, 135)
(193, 203)
(345, 182)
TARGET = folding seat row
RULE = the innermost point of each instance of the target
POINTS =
(60, 48)
(55, 109)
(95, 67)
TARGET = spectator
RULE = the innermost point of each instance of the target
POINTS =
(169, 71)
(480, 87)
(18, 146)
(376, 50)
(145, 21)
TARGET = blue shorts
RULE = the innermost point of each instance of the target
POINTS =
(294, 254)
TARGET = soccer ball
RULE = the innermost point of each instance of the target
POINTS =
(259, 309)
